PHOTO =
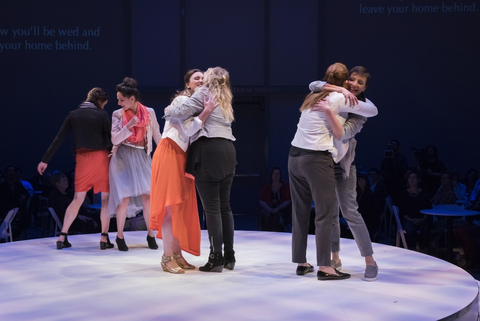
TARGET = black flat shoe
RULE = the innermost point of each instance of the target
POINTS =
(152, 244)
(302, 270)
(323, 276)
(122, 246)
(65, 243)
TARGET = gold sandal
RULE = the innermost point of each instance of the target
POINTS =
(166, 268)
(186, 266)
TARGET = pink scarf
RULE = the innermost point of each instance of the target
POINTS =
(139, 129)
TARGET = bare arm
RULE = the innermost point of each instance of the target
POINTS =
(324, 106)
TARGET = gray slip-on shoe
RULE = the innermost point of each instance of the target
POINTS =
(371, 272)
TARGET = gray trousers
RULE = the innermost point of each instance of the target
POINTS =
(312, 178)
(346, 197)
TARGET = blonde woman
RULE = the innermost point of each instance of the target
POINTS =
(174, 211)
(211, 160)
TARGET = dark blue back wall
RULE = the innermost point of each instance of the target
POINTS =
(424, 66)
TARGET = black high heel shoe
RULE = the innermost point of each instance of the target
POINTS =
(107, 244)
(122, 246)
(152, 244)
(229, 260)
(65, 243)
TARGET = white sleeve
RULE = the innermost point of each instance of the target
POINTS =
(191, 126)
(366, 109)
(316, 86)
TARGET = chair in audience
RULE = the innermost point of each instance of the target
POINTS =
(400, 230)
(6, 227)
(58, 224)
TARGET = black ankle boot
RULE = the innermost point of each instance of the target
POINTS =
(152, 244)
(229, 259)
(122, 246)
(107, 244)
(214, 264)
(65, 243)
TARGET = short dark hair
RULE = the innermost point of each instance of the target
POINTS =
(362, 71)
(57, 176)
(97, 95)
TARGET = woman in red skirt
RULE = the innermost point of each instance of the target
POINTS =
(90, 126)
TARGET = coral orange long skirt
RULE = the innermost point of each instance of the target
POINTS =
(171, 188)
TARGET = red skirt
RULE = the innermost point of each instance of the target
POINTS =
(171, 188)
(91, 170)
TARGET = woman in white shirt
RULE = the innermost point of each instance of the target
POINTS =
(311, 173)
(174, 212)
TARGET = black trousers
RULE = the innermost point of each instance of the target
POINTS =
(215, 169)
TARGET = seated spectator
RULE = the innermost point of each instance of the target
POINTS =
(393, 167)
(275, 203)
(459, 188)
(378, 188)
(59, 200)
(445, 194)
(410, 203)
(469, 239)
(475, 192)
(13, 194)
(366, 205)
(470, 180)
(25, 183)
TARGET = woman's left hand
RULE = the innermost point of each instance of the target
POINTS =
(321, 105)
(210, 101)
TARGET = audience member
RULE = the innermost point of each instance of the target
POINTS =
(410, 203)
(469, 239)
(470, 180)
(459, 188)
(25, 183)
(275, 200)
(13, 194)
(59, 200)
(378, 188)
(393, 167)
(445, 194)
(366, 205)
(431, 169)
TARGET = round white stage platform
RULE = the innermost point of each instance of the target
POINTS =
(39, 282)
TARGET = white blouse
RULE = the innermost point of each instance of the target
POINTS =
(180, 133)
(313, 131)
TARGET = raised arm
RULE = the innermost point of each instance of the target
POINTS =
(366, 109)
(119, 133)
(194, 124)
(335, 126)
(178, 113)
(317, 86)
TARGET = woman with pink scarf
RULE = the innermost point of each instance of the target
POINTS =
(133, 127)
